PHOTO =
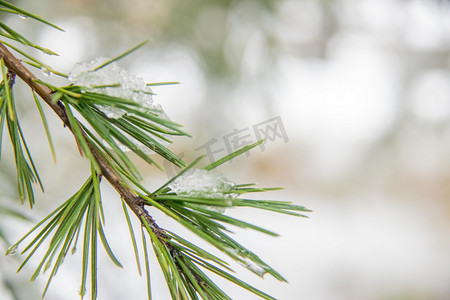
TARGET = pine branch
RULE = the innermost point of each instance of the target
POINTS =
(199, 208)
(135, 202)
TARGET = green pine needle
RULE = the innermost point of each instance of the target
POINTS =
(162, 83)
(78, 133)
(147, 265)
(14, 35)
(185, 266)
(65, 224)
(21, 12)
(232, 155)
(144, 127)
(195, 213)
(133, 241)
(26, 170)
(44, 121)
(34, 61)
(120, 56)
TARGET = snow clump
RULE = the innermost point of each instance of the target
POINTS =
(203, 183)
(114, 81)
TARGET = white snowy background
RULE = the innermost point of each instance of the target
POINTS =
(364, 96)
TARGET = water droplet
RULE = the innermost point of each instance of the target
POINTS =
(46, 71)
(254, 267)
(12, 250)
(23, 17)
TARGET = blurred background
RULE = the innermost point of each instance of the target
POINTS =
(353, 96)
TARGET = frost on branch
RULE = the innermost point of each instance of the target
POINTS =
(202, 183)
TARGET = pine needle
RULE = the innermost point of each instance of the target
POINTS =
(120, 56)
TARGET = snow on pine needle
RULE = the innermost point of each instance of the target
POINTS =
(114, 81)
(102, 76)
(203, 183)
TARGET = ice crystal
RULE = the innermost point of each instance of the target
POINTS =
(202, 183)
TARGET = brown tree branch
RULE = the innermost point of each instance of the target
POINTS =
(133, 201)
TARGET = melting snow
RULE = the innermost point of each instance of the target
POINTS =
(115, 81)
(246, 262)
(254, 267)
(202, 183)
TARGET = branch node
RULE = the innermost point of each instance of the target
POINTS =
(11, 78)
